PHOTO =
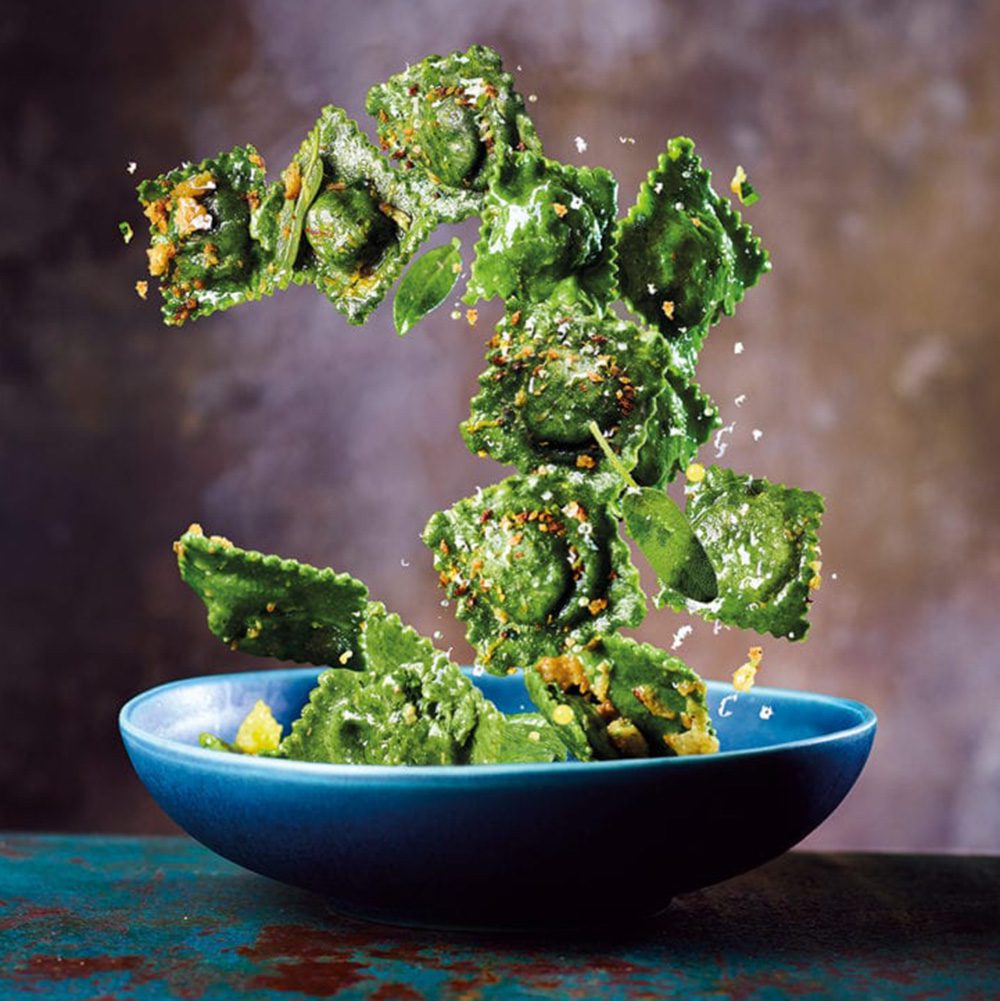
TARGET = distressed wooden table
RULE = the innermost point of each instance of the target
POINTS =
(142, 918)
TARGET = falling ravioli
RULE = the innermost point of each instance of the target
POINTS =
(199, 234)
(762, 540)
(597, 413)
(451, 121)
(685, 257)
(534, 564)
(547, 234)
(269, 606)
(551, 370)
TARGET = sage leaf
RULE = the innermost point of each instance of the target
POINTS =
(663, 533)
(305, 170)
(426, 285)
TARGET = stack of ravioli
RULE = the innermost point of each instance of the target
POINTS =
(598, 414)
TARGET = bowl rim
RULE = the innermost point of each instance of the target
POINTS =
(867, 721)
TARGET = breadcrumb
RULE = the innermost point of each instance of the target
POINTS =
(744, 677)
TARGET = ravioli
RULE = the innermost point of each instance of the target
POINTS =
(552, 370)
(450, 121)
(534, 565)
(410, 706)
(273, 607)
(364, 224)
(596, 412)
(200, 246)
(683, 421)
(547, 233)
(619, 698)
(762, 540)
(685, 257)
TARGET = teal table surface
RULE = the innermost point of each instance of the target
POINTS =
(142, 918)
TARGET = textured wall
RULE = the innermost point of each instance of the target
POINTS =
(870, 362)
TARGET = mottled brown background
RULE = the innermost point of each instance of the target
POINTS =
(871, 361)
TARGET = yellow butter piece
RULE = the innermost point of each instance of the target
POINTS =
(260, 731)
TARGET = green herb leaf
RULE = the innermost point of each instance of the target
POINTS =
(309, 168)
(663, 533)
(212, 743)
(426, 285)
(661, 530)
(126, 231)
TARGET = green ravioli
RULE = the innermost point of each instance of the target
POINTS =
(529, 737)
(546, 226)
(200, 247)
(554, 369)
(685, 257)
(535, 565)
(273, 607)
(410, 706)
(684, 420)
(450, 120)
(416, 714)
(364, 224)
(762, 541)
(621, 699)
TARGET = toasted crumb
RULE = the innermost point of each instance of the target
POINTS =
(292, 176)
(345, 656)
(627, 738)
(190, 216)
(194, 187)
(646, 694)
(585, 462)
(159, 256)
(744, 677)
(560, 209)
(565, 671)
(156, 213)
(736, 184)
(668, 309)
(471, 316)
(142, 289)
(692, 742)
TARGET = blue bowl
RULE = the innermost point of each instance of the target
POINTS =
(498, 846)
